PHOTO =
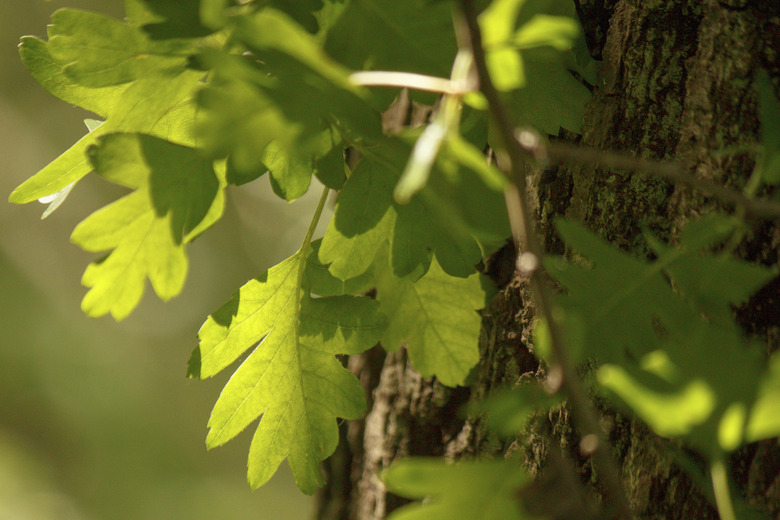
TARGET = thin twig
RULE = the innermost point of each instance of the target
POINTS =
(557, 151)
(510, 158)
(380, 78)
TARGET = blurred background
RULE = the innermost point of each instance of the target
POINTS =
(97, 419)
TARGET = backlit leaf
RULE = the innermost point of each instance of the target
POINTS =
(292, 378)
(100, 51)
(177, 195)
(436, 318)
(157, 104)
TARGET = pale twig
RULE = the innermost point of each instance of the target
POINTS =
(510, 157)
(380, 78)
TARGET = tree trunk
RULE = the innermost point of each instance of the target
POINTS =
(677, 83)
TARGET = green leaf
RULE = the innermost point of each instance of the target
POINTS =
(49, 73)
(552, 98)
(410, 36)
(366, 217)
(287, 92)
(622, 299)
(158, 104)
(55, 200)
(471, 490)
(436, 318)
(290, 174)
(362, 222)
(529, 49)
(100, 51)
(507, 411)
(177, 195)
(322, 283)
(764, 421)
(769, 106)
(652, 339)
(331, 169)
(292, 377)
(168, 19)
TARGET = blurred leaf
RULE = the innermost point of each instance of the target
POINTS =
(764, 419)
(436, 318)
(528, 47)
(101, 51)
(287, 92)
(508, 410)
(700, 400)
(667, 414)
(170, 19)
(467, 155)
(411, 36)
(292, 377)
(681, 373)
(177, 195)
(552, 98)
(715, 283)
(421, 161)
(545, 30)
(302, 11)
(470, 490)
(769, 106)
(619, 297)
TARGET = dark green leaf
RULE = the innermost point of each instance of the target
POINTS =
(409, 36)
(769, 106)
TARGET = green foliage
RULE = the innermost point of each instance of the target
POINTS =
(650, 326)
(199, 97)
(475, 490)
(434, 316)
(292, 377)
(412, 36)
(177, 196)
(770, 129)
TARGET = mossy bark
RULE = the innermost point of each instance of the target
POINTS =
(676, 83)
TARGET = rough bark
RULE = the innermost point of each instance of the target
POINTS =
(676, 84)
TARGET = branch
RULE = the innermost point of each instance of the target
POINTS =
(510, 156)
(557, 151)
